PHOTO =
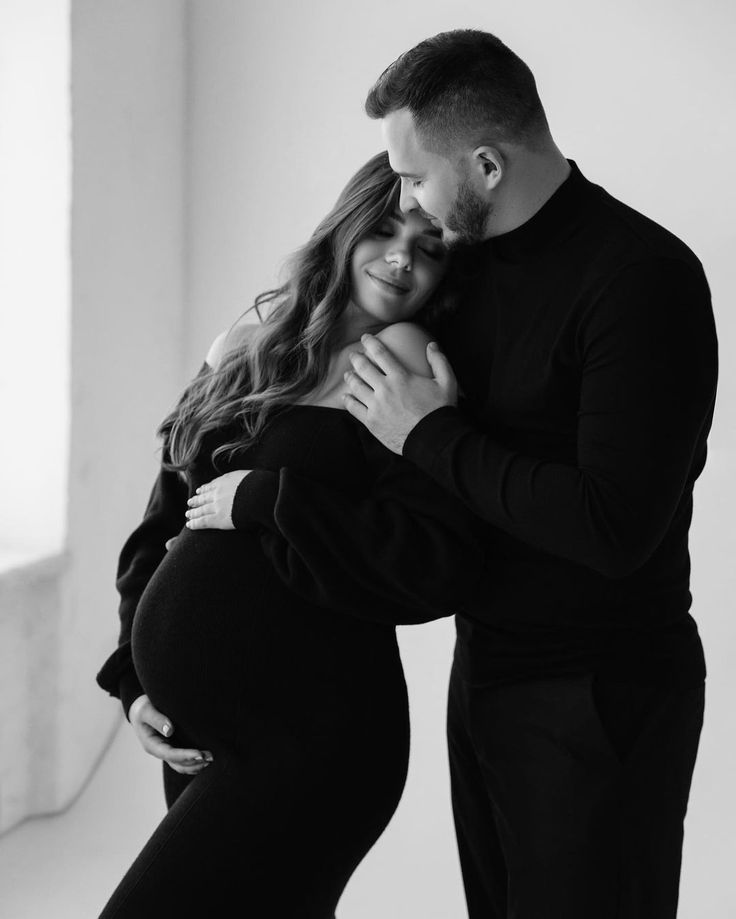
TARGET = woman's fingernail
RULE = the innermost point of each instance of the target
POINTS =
(166, 730)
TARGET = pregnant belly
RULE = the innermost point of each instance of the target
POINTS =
(218, 639)
(193, 630)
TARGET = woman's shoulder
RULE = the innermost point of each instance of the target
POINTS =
(228, 340)
(408, 342)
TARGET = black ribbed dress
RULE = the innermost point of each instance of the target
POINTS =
(274, 647)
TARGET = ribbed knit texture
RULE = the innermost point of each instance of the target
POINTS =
(587, 352)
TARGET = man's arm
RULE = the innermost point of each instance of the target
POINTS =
(649, 366)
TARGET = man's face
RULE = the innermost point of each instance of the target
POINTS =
(433, 185)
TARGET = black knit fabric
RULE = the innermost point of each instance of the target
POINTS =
(586, 351)
(274, 647)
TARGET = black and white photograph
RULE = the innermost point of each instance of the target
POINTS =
(368, 459)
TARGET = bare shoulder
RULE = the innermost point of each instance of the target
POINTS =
(408, 342)
(229, 339)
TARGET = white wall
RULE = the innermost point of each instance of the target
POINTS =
(35, 165)
(641, 95)
(127, 303)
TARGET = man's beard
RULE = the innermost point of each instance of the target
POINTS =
(467, 218)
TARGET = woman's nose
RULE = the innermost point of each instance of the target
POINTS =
(399, 257)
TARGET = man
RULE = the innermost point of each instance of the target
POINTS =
(586, 350)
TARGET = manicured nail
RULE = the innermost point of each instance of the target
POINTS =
(166, 730)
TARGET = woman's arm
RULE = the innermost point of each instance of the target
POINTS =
(140, 557)
(403, 552)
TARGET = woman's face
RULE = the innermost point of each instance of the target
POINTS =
(395, 269)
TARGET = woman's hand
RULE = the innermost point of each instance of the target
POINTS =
(210, 508)
(149, 724)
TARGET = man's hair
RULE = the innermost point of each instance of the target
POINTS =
(462, 85)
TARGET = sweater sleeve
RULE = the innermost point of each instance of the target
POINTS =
(648, 356)
(140, 556)
(402, 551)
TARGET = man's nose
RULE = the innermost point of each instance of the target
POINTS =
(407, 201)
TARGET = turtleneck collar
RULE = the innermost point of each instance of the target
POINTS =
(550, 223)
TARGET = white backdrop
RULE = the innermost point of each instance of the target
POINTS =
(641, 95)
(209, 137)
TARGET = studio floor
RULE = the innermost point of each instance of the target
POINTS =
(66, 866)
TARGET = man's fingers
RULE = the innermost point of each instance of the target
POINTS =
(441, 368)
(380, 355)
(356, 408)
(358, 388)
(366, 369)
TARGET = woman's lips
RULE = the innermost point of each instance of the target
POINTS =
(390, 286)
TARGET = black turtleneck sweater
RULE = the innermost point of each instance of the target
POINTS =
(587, 353)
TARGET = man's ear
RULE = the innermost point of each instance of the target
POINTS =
(489, 164)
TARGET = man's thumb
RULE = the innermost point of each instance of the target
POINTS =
(441, 369)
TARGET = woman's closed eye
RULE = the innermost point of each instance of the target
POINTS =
(436, 253)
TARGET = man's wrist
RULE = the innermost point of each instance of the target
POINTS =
(422, 437)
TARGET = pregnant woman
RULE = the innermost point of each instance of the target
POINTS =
(267, 638)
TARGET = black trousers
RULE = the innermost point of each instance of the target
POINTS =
(569, 796)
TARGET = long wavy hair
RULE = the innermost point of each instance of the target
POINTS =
(288, 356)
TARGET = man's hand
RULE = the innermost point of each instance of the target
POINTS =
(211, 507)
(389, 399)
(149, 724)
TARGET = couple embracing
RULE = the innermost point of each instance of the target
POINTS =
(484, 390)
